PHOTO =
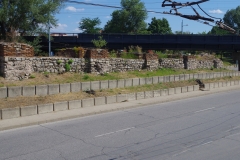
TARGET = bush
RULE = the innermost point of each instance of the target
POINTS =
(99, 43)
(59, 62)
(70, 61)
(67, 67)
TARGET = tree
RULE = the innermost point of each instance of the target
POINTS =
(232, 18)
(27, 16)
(88, 25)
(160, 26)
(130, 19)
(218, 31)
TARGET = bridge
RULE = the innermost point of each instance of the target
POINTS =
(154, 42)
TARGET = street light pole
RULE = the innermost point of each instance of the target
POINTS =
(182, 27)
(49, 39)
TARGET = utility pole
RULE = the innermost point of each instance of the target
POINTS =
(182, 27)
(49, 39)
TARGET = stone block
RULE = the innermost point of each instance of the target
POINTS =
(211, 85)
(166, 78)
(189, 88)
(216, 85)
(171, 78)
(0, 114)
(228, 83)
(53, 89)
(155, 80)
(195, 76)
(204, 76)
(207, 86)
(148, 94)
(111, 99)
(156, 93)
(135, 81)
(120, 83)
(186, 77)
(3, 92)
(28, 91)
(160, 79)
(65, 88)
(211, 75)
(142, 81)
(140, 95)
(171, 91)
(75, 104)
(178, 90)
(14, 91)
(60, 106)
(99, 101)
(200, 76)
(8, 113)
(207, 75)
(149, 80)
(128, 82)
(121, 98)
(232, 83)
(75, 87)
(45, 108)
(220, 84)
(85, 86)
(191, 76)
(236, 82)
(224, 84)
(95, 85)
(196, 87)
(42, 90)
(88, 102)
(131, 96)
(184, 89)
(176, 78)
(181, 77)
(28, 111)
(164, 92)
(112, 84)
(104, 84)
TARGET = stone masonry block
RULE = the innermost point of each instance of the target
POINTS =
(232, 83)
(155, 80)
(189, 88)
(121, 98)
(104, 84)
(45, 108)
(184, 89)
(65, 88)
(95, 85)
(75, 104)
(128, 82)
(171, 91)
(111, 99)
(88, 102)
(176, 78)
(28, 91)
(131, 96)
(142, 81)
(181, 77)
(135, 81)
(75, 87)
(112, 84)
(186, 77)
(85, 86)
(156, 93)
(195, 76)
(203, 75)
(166, 78)
(120, 83)
(171, 78)
(200, 76)
(28, 111)
(99, 101)
(164, 92)
(191, 76)
(196, 87)
(161, 79)
(8, 113)
(149, 80)
(3, 92)
(42, 90)
(216, 85)
(14, 91)
(140, 95)
(148, 94)
(53, 89)
(220, 84)
(178, 90)
(236, 82)
(60, 106)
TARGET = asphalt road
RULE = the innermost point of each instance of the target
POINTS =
(201, 128)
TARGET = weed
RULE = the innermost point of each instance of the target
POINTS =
(67, 67)
(59, 62)
(70, 61)
(86, 77)
(32, 76)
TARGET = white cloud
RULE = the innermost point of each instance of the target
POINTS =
(73, 9)
(217, 11)
(59, 28)
(108, 17)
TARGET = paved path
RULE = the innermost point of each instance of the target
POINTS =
(199, 128)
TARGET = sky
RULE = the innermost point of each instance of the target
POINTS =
(71, 14)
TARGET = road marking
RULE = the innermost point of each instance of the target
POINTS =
(114, 132)
(205, 143)
(204, 110)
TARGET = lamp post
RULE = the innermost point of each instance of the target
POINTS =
(182, 27)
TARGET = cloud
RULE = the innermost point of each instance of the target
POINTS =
(59, 28)
(73, 9)
(108, 17)
(217, 11)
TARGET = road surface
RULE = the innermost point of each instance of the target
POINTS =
(200, 128)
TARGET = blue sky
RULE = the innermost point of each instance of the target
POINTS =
(71, 14)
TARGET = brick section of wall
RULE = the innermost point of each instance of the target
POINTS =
(16, 49)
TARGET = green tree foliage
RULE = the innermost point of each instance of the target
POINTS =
(159, 26)
(232, 18)
(217, 31)
(99, 43)
(88, 25)
(27, 16)
(130, 19)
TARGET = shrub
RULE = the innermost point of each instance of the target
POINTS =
(59, 62)
(99, 43)
(67, 67)
(70, 61)
(32, 76)
(86, 77)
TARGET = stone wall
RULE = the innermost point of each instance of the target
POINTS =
(16, 49)
(171, 63)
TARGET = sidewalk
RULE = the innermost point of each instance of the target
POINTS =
(82, 112)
